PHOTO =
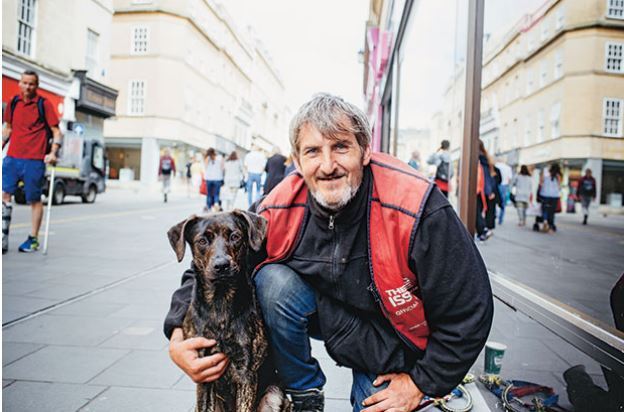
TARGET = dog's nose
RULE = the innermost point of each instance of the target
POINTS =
(221, 264)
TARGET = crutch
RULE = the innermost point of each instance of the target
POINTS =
(47, 223)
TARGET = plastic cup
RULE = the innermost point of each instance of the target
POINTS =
(494, 353)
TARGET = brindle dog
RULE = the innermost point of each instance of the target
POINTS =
(224, 308)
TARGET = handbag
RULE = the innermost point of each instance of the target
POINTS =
(534, 209)
(558, 208)
(203, 188)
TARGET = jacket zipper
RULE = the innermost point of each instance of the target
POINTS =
(331, 222)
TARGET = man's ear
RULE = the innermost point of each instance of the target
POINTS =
(366, 155)
(296, 162)
(256, 227)
(176, 237)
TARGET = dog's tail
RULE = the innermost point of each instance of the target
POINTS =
(274, 400)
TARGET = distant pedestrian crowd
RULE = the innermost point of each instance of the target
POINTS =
(499, 185)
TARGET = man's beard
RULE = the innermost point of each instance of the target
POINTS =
(345, 196)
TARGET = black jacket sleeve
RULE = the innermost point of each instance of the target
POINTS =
(457, 298)
(180, 302)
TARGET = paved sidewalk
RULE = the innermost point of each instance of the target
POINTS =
(94, 341)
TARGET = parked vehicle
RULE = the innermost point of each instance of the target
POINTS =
(80, 171)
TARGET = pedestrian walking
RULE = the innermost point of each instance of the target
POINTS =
(550, 187)
(166, 170)
(415, 160)
(506, 175)
(34, 138)
(496, 200)
(441, 159)
(341, 241)
(255, 162)
(486, 195)
(213, 174)
(233, 176)
(275, 168)
(521, 185)
(197, 172)
(587, 192)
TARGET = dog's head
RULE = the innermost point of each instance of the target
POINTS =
(220, 242)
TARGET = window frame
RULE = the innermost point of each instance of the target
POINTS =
(94, 59)
(132, 97)
(134, 42)
(619, 118)
(607, 58)
(30, 25)
(612, 6)
(555, 119)
(558, 66)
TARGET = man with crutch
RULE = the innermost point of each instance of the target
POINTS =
(31, 125)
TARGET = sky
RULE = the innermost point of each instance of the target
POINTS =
(315, 44)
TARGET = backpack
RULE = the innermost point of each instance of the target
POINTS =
(42, 118)
(442, 172)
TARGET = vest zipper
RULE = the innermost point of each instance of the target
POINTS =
(331, 222)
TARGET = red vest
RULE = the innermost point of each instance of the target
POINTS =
(398, 198)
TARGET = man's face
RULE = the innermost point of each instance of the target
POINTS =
(28, 85)
(331, 167)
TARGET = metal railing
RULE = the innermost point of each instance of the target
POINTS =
(597, 340)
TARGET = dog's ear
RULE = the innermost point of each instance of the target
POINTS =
(256, 227)
(176, 237)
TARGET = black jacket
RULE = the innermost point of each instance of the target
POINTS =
(452, 277)
(274, 168)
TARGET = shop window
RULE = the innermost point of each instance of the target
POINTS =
(136, 97)
(555, 114)
(613, 57)
(612, 117)
(26, 27)
(140, 38)
(615, 9)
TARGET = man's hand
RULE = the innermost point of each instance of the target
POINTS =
(50, 158)
(401, 395)
(184, 354)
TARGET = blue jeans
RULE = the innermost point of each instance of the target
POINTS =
(504, 193)
(251, 179)
(213, 187)
(288, 306)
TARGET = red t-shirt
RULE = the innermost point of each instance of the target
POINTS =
(28, 135)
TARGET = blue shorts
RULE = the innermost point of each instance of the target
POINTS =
(31, 172)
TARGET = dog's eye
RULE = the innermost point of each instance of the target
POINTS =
(235, 237)
(202, 241)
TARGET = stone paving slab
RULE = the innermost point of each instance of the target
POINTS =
(46, 397)
(141, 400)
(66, 330)
(63, 364)
(141, 334)
(141, 369)
(13, 351)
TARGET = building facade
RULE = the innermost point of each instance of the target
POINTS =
(553, 91)
(189, 79)
(70, 54)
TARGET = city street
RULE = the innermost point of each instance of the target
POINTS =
(82, 326)
(562, 264)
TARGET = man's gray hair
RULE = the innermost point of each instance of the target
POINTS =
(327, 113)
